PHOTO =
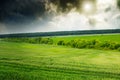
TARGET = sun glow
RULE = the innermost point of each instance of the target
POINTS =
(87, 7)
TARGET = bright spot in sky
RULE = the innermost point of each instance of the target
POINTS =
(87, 7)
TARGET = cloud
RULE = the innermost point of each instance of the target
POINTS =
(3, 28)
(62, 6)
(21, 10)
(52, 15)
(17, 14)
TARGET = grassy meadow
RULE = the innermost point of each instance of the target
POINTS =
(101, 37)
(25, 61)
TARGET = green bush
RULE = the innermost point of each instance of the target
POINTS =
(72, 43)
(61, 42)
(91, 43)
(107, 45)
(114, 46)
(46, 41)
(95, 44)
(38, 40)
(31, 40)
(83, 43)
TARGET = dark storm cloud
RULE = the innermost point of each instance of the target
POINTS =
(67, 5)
(25, 11)
(17, 12)
(21, 10)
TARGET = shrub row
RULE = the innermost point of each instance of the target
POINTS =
(95, 44)
(31, 40)
(78, 43)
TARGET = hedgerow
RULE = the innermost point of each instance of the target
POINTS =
(77, 43)
(94, 44)
(31, 40)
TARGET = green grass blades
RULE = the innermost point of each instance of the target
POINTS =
(22, 61)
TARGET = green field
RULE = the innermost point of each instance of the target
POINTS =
(101, 37)
(24, 61)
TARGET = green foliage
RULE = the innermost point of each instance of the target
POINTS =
(95, 44)
(46, 41)
(31, 40)
(61, 42)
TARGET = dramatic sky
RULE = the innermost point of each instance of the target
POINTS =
(18, 16)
